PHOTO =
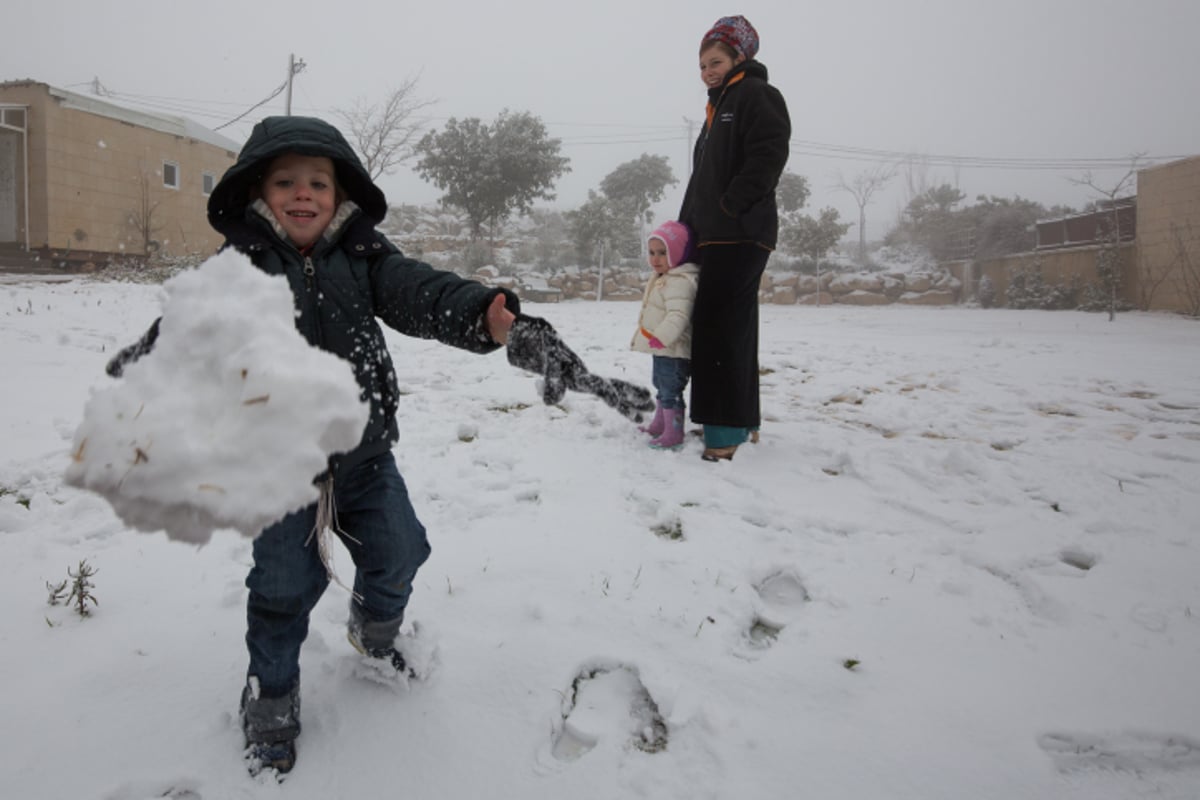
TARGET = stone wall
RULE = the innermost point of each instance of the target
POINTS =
(776, 288)
(861, 289)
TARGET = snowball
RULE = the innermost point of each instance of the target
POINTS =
(228, 420)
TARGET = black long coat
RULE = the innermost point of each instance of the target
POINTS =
(737, 161)
(730, 206)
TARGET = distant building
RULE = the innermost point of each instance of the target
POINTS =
(1157, 242)
(1091, 227)
(86, 180)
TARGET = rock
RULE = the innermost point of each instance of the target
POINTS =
(918, 282)
(862, 298)
(930, 298)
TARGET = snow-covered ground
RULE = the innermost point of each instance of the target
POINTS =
(962, 563)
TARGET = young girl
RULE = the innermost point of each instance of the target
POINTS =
(665, 329)
(730, 205)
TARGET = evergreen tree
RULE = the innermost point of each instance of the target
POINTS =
(492, 171)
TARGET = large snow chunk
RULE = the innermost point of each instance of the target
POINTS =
(228, 420)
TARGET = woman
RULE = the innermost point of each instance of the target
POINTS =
(730, 204)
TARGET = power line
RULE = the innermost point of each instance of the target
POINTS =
(615, 133)
(846, 152)
(270, 97)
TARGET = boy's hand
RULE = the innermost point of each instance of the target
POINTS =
(498, 319)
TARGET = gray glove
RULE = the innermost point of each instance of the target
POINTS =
(534, 345)
(116, 366)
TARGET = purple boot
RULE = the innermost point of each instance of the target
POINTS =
(672, 435)
(655, 428)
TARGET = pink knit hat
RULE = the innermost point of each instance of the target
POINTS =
(676, 237)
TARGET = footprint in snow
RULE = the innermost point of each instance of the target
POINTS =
(608, 706)
(781, 594)
(180, 789)
(1137, 752)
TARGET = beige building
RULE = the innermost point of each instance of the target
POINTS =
(1168, 236)
(85, 180)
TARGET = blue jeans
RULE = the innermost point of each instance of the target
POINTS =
(386, 541)
(670, 376)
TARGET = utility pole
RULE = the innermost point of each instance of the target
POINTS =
(688, 158)
(294, 68)
(600, 282)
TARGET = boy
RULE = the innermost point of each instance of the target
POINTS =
(299, 204)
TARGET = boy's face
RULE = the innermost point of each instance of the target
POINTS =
(302, 194)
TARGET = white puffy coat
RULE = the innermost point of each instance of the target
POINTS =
(667, 312)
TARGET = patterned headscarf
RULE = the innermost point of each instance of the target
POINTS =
(737, 32)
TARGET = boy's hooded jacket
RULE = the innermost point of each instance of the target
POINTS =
(737, 161)
(353, 276)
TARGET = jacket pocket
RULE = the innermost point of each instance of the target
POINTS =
(759, 219)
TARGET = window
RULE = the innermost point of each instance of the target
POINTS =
(207, 182)
(170, 174)
(13, 118)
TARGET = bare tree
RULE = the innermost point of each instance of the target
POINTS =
(861, 187)
(384, 134)
(143, 217)
(1187, 265)
(916, 178)
(1110, 259)
(1150, 279)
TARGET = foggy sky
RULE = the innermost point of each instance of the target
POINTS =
(1005, 84)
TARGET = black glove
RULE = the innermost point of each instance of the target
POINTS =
(534, 345)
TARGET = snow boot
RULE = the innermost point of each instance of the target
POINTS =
(271, 725)
(376, 639)
(672, 435)
(655, 428)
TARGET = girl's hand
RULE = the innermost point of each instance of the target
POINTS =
(656, 344)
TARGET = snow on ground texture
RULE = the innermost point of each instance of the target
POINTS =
(962, 562)
(228, 420)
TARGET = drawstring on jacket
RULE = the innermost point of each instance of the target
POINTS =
(324, 529)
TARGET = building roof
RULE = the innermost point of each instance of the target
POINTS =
(176, 126)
